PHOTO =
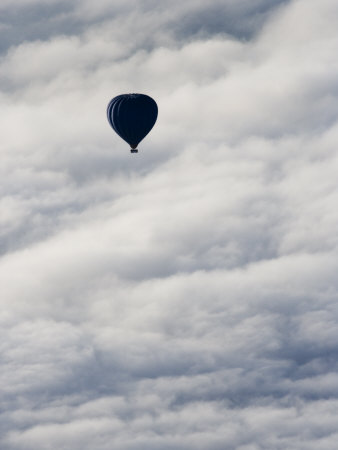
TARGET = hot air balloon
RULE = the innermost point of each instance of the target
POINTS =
(132, 116)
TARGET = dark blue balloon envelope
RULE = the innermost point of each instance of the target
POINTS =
(132, 116)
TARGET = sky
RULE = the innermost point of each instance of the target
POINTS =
(184, 297)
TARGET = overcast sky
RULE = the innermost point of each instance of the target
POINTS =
(185, 297)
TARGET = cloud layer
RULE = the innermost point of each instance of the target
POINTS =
(184, 297)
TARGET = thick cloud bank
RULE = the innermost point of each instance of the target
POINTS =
(184, 297)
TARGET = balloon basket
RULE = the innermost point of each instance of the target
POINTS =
(133, 150)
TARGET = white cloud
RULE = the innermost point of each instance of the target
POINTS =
(183, 297)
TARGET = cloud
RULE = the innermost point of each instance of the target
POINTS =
(183, 297)
(154, 23)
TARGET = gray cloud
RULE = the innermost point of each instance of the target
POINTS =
(152, 22)
(185, 297)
